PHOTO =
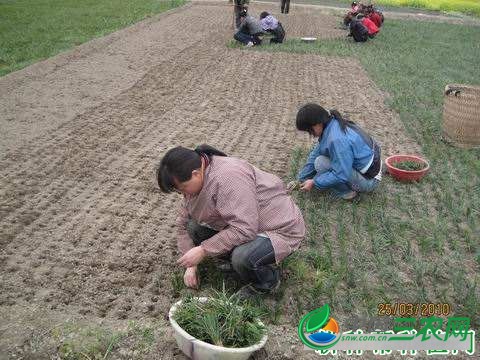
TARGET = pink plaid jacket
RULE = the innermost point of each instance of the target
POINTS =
(241, 201)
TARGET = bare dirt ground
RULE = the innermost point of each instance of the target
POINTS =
(84, 232)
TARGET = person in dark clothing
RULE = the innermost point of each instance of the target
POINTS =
(249, 31)
(358, 31)
(271, 25)
(285, 7)
(238, 7)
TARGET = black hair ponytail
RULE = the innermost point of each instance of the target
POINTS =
(178, 163)
(311, 114)
(344, 122)
(208, 150)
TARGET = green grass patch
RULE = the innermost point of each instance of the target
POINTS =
(470, 7)
(92, 342)
(406, 242)
(465, 6)
(35, 30)
(76, 341)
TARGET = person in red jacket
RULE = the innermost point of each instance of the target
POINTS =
(375, 17)
(369, 24)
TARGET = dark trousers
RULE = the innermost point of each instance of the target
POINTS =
(278, 34)
(237, 9)
(285, 6)
(245, 38)
(253, 261)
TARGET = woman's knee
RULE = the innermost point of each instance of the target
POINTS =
(240, 259)
(322, 163)
(252, 255)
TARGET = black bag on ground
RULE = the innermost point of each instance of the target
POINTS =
(358, 31)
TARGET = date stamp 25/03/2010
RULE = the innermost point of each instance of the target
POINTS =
(414, 309)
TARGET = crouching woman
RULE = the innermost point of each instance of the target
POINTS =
(271, 25)
(231, 210)
(345, 160)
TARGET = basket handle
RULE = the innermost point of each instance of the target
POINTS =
(452, 90)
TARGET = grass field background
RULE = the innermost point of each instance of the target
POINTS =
(464, 6)
(35, 30)
(471, 7)
(406, 242)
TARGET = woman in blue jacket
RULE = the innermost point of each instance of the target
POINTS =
(346, 159)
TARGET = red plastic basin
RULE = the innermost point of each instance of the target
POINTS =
(406, 175)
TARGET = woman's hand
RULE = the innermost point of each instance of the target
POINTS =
(307, 185)
(192, 257)
(293, 185)
(190, 278)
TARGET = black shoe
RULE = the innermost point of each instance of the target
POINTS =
(224, 266)
(249, 292)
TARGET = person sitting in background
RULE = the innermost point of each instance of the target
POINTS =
(374, 15)
(238, 6)
(358, 31)
(271, 25)
(355, 7)
(369, 24)
(249, 31)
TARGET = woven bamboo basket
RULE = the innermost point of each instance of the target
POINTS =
(461, 115)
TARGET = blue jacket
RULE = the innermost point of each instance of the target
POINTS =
(346, 150)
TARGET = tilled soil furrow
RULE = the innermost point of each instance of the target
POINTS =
(89, 146)
(259, 133)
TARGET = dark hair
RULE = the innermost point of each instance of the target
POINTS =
(348, 19)
(354, 3)
(264, 14)
(311, 114)
(179, 162)
(243, 13)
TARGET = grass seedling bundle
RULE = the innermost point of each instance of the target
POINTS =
(222, 320)
(409, 165)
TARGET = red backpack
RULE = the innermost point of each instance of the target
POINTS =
(370, 25)
(376, 18)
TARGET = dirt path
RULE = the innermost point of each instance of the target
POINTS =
(83, 230)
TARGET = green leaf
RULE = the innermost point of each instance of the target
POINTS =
(317, 318)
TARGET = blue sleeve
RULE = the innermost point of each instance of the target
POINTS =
(308, 171)
(341, 158)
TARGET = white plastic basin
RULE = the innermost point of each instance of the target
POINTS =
(200, 350)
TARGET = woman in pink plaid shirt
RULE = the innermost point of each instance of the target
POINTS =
(234, 211)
